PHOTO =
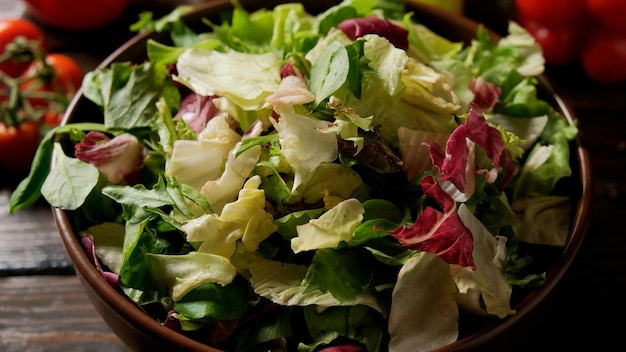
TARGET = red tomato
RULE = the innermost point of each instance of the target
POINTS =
(610, 13)
(75, 15)
(560, 44)
(18, 145)
(604, 57)
(68, 74)
(10, 29)
(4, 92)
(51, 118)
(551, 12)
(67, 78)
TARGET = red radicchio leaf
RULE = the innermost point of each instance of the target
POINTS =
(172, 323)
(440, 233)
(196, 110)
(90, 249)
(344, 348)
(357, 27)
(453, 163)
(224, 329)
(486, 94)
(289, 70)
(120, 159)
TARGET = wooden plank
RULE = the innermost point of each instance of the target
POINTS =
(29, 241)
(51, 313)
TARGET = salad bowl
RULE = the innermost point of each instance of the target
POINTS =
(141, 332)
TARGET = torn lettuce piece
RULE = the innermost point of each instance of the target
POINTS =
(243, 220)
(532, 60)
(332, 183)
(527, 129)
(246, 79)
(194, 162)
(108, 240)
(224, 190)
(387, 61)
(424, 312)
(543, 220)
(429, 89)
(295, 131)
(489, 256)
(426, 45)
(548, 161)
(281, 283)
(179, 274)
(335, 226)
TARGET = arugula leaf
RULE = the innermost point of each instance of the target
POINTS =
(139, 195)
(247, 143)
(135, 271)
(174, 190)
(276, 189)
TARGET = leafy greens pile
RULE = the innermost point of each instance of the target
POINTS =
(343, 180)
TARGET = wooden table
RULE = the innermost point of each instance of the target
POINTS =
(43, 307)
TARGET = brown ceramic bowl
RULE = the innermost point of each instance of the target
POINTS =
(140, 332)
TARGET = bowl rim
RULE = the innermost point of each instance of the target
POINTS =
(136, 316)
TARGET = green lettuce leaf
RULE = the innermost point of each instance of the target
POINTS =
(335, 226)
(345, 273)
(245, 79)
(128, 93)
(179, 274)
(281, 283)
(211, 302)
(424, 312)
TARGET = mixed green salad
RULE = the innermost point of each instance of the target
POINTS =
(344, 181)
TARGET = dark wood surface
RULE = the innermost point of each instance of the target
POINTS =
(43, 307)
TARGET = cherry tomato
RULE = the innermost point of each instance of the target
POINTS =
(76, 15)
(552, 12)
(4, 92)
(68, 73)
(52, 118)
(10, 29)
(560, 44)
(67, 78)
(610, 13)
(18, 145)
(604, 57)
